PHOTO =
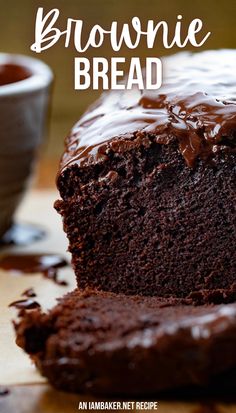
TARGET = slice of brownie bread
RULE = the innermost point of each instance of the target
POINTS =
(148, 185)
(111, 344)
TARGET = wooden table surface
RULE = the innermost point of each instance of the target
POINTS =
(43, 399)
(27, 394)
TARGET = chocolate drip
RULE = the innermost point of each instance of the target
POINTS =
(27, 304)
(29, 293)
(47, 264)
(4, 391)
(22, 234)
(52, 274)
(195, 105)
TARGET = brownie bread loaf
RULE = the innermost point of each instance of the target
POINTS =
(148, 185)
(112, 344)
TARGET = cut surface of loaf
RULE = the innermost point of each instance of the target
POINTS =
(148, 185)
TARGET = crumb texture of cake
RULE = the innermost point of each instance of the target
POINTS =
(148, 185)
(104, 343)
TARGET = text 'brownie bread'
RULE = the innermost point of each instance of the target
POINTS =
(106, 343)
(148, 184)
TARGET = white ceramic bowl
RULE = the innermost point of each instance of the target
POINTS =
(23, 110)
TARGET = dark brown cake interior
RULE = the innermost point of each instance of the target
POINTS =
(148, 184)
(114, 344)
(144, 223)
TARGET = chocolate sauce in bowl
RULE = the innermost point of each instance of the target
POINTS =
(47, 264)
(12, 73)
(196, 105)
(27, 304)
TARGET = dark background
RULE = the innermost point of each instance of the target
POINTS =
(17, 19)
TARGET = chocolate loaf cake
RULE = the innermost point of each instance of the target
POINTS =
(148, 185)
(110, 344)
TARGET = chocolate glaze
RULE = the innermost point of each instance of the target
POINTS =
(29, 293)
(12, 73)
(4, 391)
(47, 264)
(52, 274)
(27, 304)
(195, 105)
(22, 234)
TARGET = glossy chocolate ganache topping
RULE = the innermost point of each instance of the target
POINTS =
(195, 105)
